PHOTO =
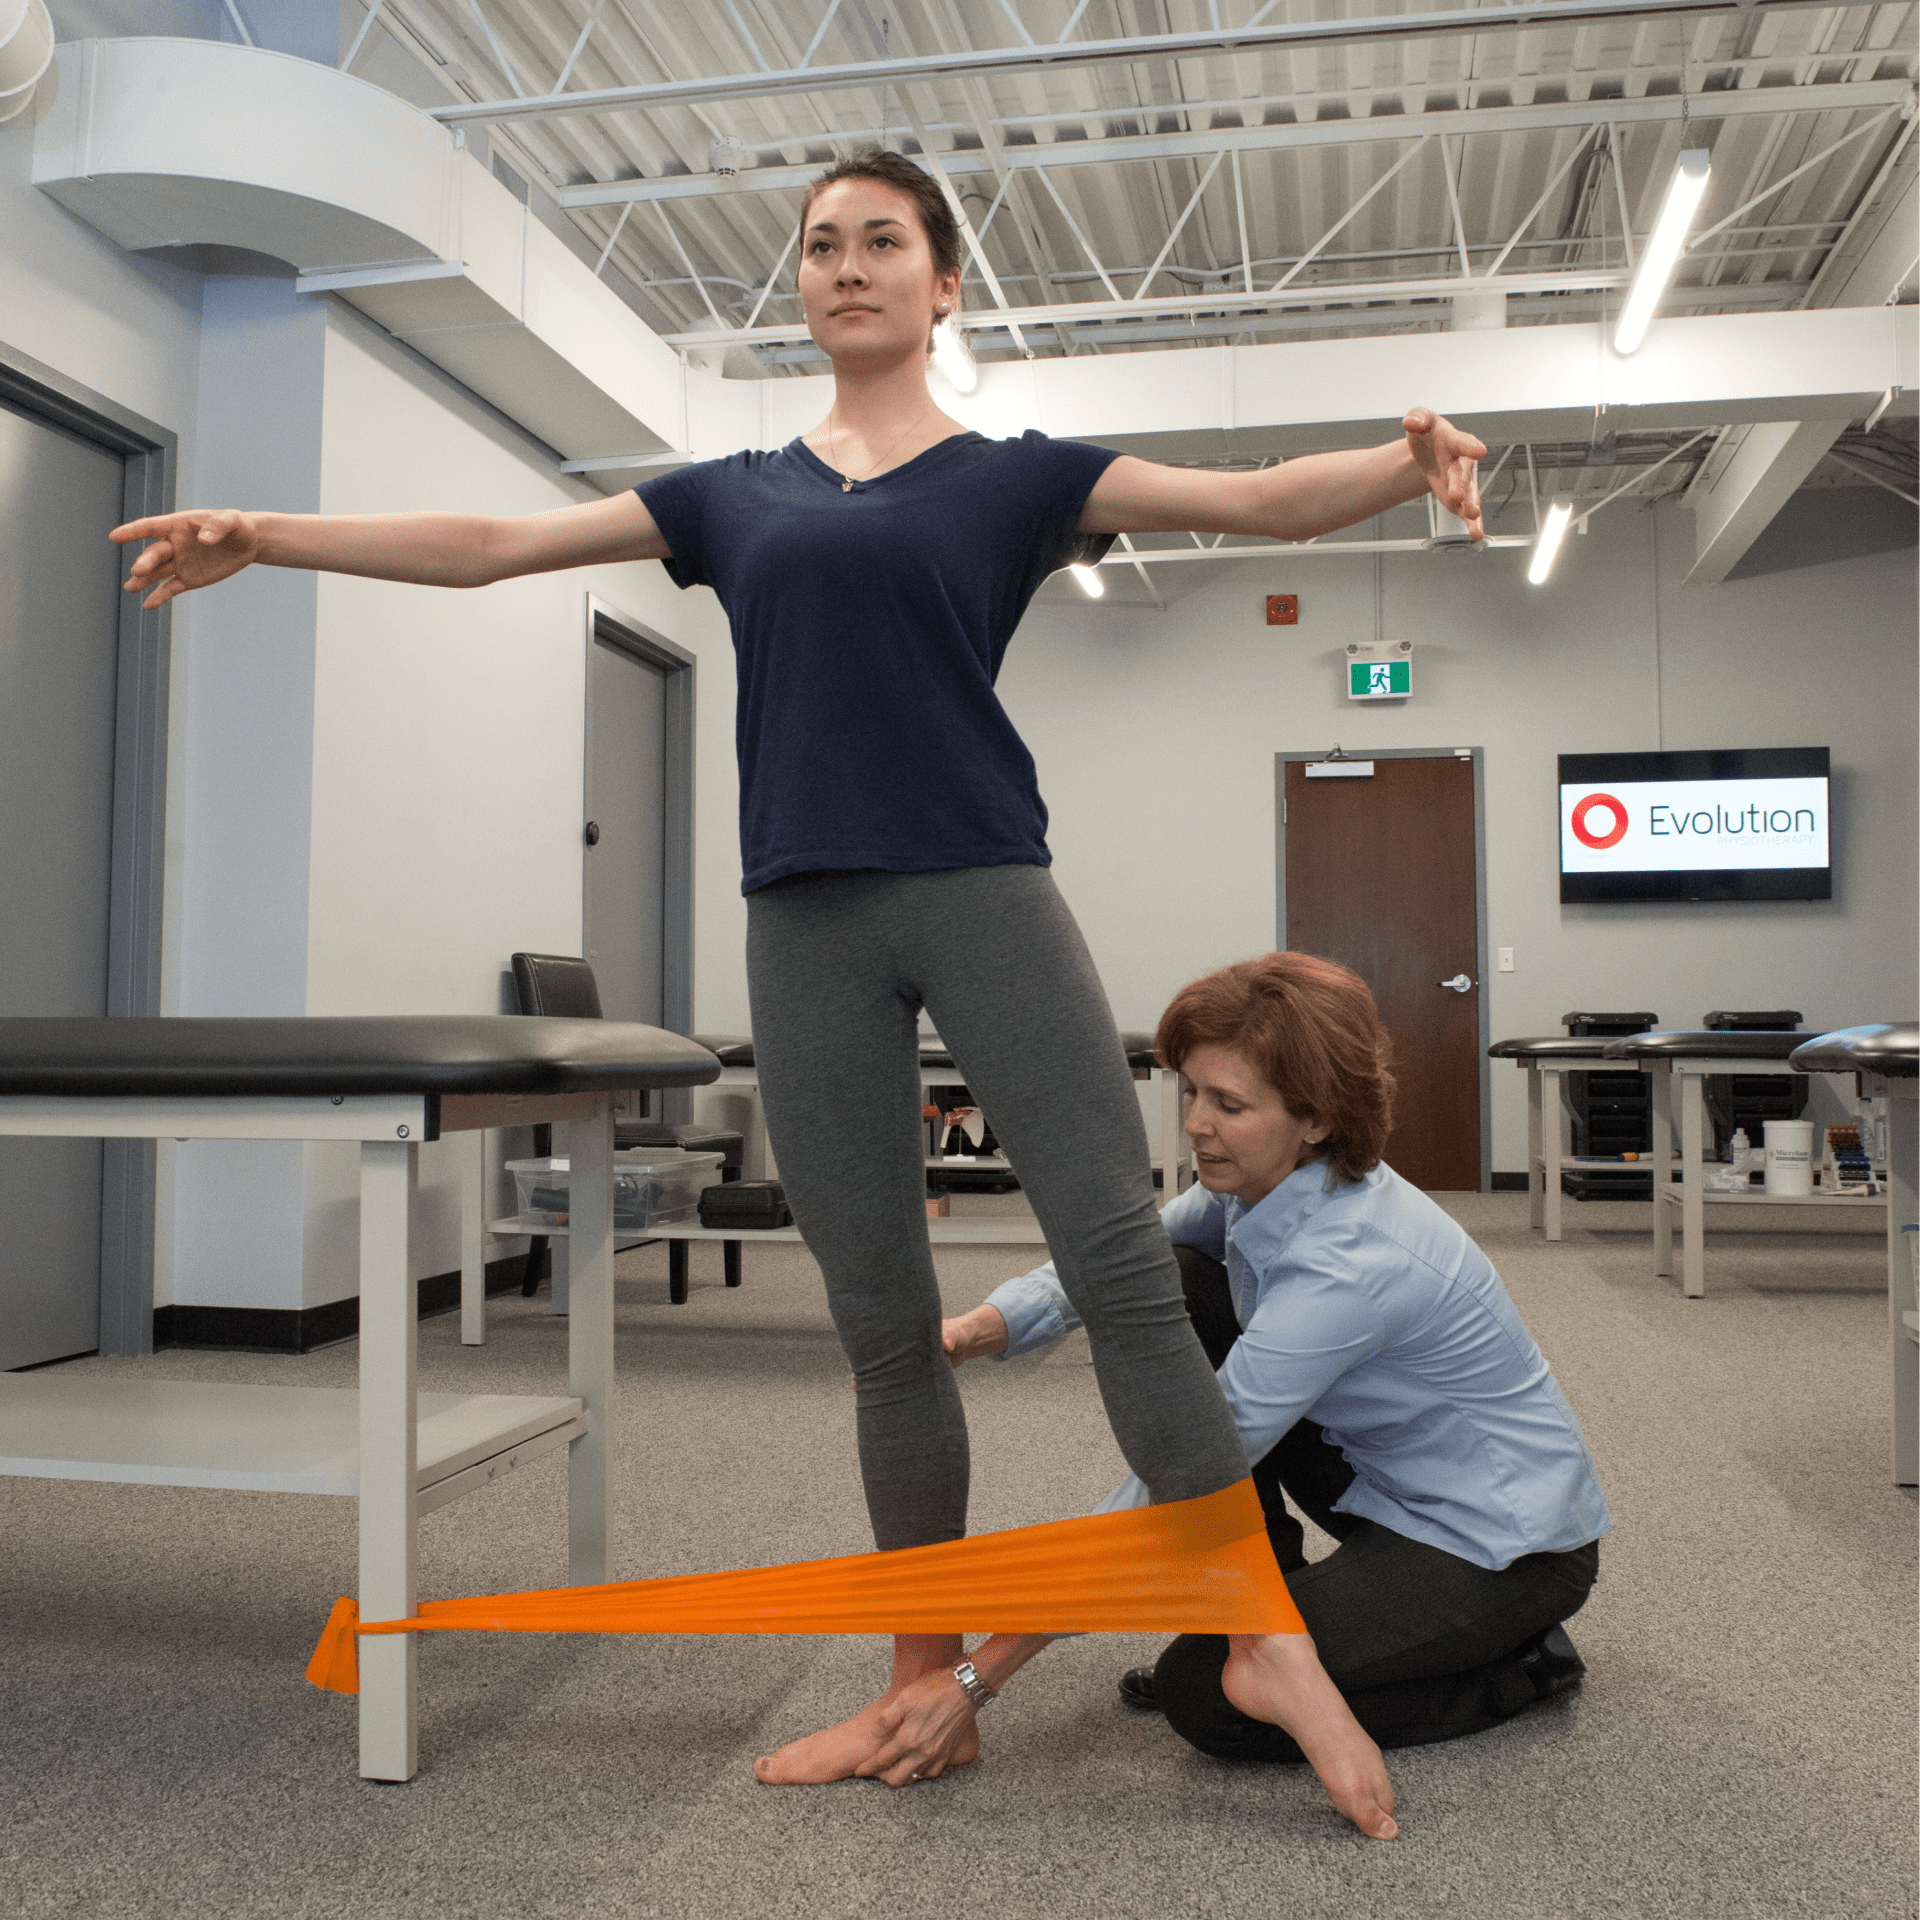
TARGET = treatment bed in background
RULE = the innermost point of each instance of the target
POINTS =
(1680, 1062)
(387, 1084)
(1887, 1059)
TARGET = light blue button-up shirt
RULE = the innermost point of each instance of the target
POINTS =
(1369, 1310)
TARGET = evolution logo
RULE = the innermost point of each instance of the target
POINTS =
(1694, 825)
(1598, 821)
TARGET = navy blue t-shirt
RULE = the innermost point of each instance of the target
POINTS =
(869, 628)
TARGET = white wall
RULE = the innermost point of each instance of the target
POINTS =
(1155, 735)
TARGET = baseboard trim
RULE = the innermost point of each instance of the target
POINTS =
(1511, 1183)
(302, 1330)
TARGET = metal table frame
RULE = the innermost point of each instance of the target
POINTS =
(389, 1129)
(1878, 1054)
(1678, 1080)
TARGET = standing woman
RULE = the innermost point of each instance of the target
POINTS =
(873, 573)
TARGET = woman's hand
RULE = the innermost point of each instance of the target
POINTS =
(190, 549)
(1446, 458)
(974, 1336)
(928, 1726)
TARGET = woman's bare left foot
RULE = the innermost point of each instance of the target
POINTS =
(836, 1752)
(1278, 1678)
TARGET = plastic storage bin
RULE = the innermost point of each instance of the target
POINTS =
(652, 1187)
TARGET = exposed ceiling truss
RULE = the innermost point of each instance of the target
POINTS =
(1145, 173)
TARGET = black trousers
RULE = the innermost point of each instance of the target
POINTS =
(1424, 1645)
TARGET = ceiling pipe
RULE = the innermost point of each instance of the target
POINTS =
(26, 52)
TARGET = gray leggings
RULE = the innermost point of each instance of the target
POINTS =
(839, 966)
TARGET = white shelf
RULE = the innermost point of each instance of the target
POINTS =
(190, 1433)
(1759, 1197)
(956, 1232)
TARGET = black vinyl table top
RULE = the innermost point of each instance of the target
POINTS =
(1707, 1043)
(736, 1050)
(1553, 1046)
(1892, 1050)
(175, 1058)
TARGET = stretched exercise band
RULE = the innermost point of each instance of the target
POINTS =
(1192, 1566)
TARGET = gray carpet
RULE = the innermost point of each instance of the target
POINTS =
(1744, 1744)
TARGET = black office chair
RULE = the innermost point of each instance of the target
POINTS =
(562, 986)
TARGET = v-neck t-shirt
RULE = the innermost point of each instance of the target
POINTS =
(869, 625)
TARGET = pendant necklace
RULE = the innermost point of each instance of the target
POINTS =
(833, 447)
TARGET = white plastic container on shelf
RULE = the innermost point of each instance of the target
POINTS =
(652, 1187)
(1789, 1157)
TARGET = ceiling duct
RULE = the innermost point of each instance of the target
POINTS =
(26, 52)
(172, 143)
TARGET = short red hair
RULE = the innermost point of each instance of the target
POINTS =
(1310, 1028)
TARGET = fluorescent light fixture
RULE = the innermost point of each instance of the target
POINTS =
(1546, 543)
(1090, 581)
(954, 357)
(1663, 250)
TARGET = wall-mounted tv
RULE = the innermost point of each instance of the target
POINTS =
(1747, 823)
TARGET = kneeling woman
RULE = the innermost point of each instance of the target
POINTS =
(1377, 1371)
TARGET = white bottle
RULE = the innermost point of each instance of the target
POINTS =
(1741, 1156)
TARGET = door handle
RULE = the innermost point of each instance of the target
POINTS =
(592, 834)
(1459, 983)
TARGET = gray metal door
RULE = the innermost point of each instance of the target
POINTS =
(59, 637)
(626, 897)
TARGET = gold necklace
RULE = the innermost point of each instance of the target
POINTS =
(833, 447)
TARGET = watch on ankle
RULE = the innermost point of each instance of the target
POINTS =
(972, 1685)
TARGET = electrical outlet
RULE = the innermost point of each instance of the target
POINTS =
(1506, 959)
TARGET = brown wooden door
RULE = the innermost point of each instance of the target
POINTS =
(1380, 876)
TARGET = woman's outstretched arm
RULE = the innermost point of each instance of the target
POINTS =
(1299, 500)
(198, 546)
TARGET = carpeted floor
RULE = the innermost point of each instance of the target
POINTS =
(1744, 1744)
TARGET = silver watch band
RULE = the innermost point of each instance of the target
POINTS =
(972, 1685)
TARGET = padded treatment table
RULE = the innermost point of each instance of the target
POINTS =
(1887, 1059)
(1545, 1060)
(1680, 1062)
(388, 1084)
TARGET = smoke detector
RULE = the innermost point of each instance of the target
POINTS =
(728, 156)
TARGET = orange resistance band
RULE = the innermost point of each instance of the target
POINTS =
(1192, 1566)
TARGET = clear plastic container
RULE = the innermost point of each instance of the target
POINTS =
(652, 1187)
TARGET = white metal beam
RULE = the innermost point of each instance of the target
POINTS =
(1754, 470)
(1131, 50)
(1857, 96)
(1763, 467)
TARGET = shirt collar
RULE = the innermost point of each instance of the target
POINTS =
(1261, 1232)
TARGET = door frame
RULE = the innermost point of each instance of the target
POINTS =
(1478, 756)
(136, 888)
(605, 622)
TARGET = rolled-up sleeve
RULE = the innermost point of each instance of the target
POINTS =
(1036, 1309)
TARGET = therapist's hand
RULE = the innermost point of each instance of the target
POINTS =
(974, 1336)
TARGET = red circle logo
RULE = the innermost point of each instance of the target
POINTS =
(1599, 841)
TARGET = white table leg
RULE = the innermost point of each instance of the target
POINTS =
(1693, 1223)
(473, 1241)
(1903, 1208)
(1662, 1103)
(1173, 1137)
(389, 1449)
(1536, 1146)
(1553, 1129)
(590, 1346)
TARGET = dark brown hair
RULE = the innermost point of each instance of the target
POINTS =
(1311, 1029)
(896, 170)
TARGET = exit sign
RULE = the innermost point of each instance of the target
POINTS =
(1379, 679)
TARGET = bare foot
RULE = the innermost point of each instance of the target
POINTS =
(1278, 1678)
(837, 1752)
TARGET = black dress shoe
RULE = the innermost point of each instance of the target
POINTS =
(1136, 1689)
(1548, 1660)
